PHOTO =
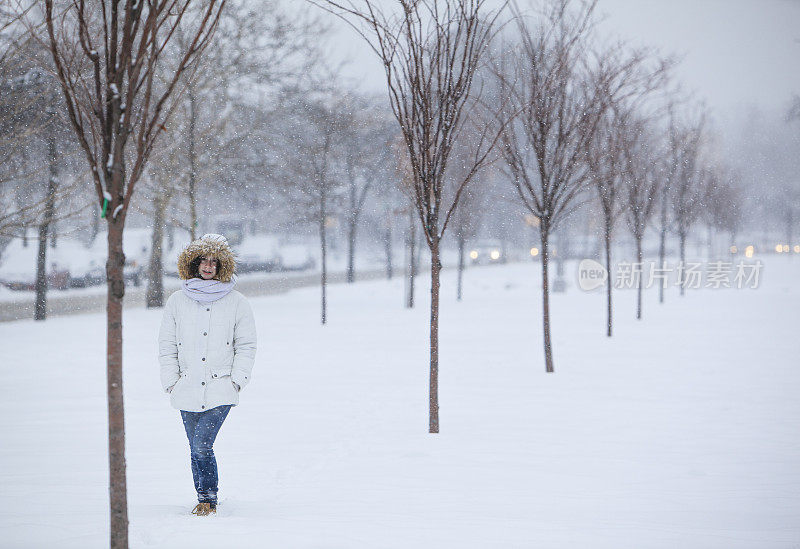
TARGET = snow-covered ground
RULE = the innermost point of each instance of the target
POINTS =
(683, 430)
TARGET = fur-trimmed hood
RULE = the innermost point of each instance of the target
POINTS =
(215, 245)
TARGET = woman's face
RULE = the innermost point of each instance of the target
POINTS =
(208, 267)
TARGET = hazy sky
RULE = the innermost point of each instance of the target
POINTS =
(736, 53)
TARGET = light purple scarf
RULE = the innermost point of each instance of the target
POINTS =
(206, 291)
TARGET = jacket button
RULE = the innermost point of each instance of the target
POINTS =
(205, 334)
(202, 407)
(204, 359)
(208, 309)
(203, 383)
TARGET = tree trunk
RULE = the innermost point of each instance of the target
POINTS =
(351, 249)
(662, 241)
(433, 395)
(116, 414)
(638, 238)
(40, 307)
(154, 297)
(387, 243)
(412, 261)
(460, 265)
(609, 316)
(94, 227)
(324, 250)
(192, 166)
(682, 237)
(548, 354)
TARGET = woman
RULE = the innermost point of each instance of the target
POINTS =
(207, 344)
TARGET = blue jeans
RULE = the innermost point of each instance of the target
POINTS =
(202, 429)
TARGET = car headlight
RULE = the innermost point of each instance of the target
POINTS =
(495, 254)
(474, 254)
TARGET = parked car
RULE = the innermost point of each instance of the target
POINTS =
(57, 279)
(297, 257)
(258, 253)
(19, 261)
(92, 274)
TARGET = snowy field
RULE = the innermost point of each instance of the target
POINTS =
(682, 431)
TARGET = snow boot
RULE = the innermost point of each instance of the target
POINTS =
(204, 508)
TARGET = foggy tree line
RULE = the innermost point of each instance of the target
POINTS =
(229, 133)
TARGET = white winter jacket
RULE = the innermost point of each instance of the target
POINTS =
(204, 348)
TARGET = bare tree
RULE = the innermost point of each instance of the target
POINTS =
(670, 166)
(558, 95)
(430, 51)
(154, 295)
(218, 126)
(466, 221)
(314, 176)
(161, 190)
(366, 162)
(164, 181)
(670, 169)
(24, 87)
(607, 155)
(106, 55)
(689, 182)
(358, 185)
(412, 256)
(34, 141)
(470, 209)
(48, 214)
(405, 184)
(256, 51)
(643, 177)
(723, 206)
(388, 216)
(790, 186)
(603, 156)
